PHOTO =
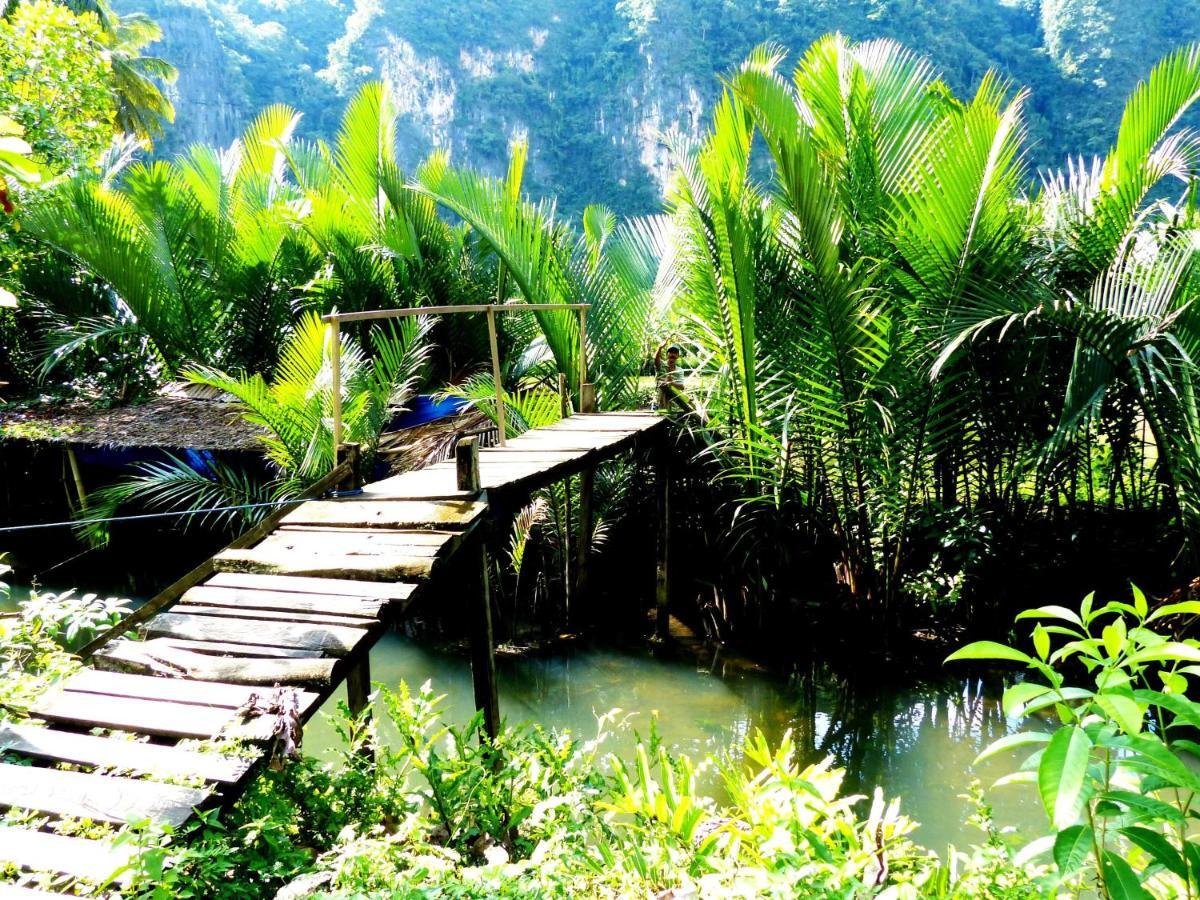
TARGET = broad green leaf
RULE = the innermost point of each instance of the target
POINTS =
(1160, 849)
(990, 650)
(1051, 612)
(1061, 775)
(1120, 879)
(1125, 711)
(1008, 742)
(1085, 608)
(1149, 807)
(1072, 847)
(1171, 651)
(1113, 636)
(1139, 601)
(1020, 694)
(1186, 608)
(1033, 850)
(1041, 642)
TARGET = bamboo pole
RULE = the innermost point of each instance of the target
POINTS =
(583, 371)
(500, 410)
(77, 476)
(335, 363)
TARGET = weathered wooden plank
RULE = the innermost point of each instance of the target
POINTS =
(392, 567)
(630, 422)
(357, 543)
(352, 536)
(164, 657)
(249, 651)
(297, 585)
(300, 617)
(159, 717)
(327, 604)
(116, 684)
(117, 753)
(337, 640)
(101, 798)
(387, 514)
(40, 851)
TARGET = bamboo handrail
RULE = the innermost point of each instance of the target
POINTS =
(335, 319)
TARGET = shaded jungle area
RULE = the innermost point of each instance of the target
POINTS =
(914, 391)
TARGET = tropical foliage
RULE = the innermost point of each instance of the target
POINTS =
(1117, 779)
(535, 813)
(884, 320)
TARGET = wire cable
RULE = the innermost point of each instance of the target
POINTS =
(179, 513)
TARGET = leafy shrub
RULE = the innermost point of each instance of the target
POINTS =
(1119, 778)
(444, 812)
(36, 644)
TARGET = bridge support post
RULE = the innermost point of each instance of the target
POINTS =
(358, 696)
(587, 483)
(352, 454)
(483, 650)
(662, 585)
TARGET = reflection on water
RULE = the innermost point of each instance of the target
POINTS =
(916, 741)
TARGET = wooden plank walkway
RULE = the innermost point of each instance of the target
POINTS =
(159, 726)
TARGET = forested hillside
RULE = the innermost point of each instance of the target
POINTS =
(594, 82)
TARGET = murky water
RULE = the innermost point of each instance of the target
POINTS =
(915, 741)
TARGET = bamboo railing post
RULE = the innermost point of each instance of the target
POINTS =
(564, 396)
(500, 411)
(335, 364)
(583, 370)
(77, 475)
(483, 651)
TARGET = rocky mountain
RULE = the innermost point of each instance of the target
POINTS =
(595, 83)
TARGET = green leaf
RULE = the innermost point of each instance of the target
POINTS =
(990, 650)
(1125, 711)
(1017, 697)
(1159, 848)
(1071, 848)
(1008, 742)
(1149, 807)
(1051, 612)
(1061, 775)
(1139, 601)
(1122, 882)
(1041, 642)
(1186, 608)
(1113, 636)
(1171, 651)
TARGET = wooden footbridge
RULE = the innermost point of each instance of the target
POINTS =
(228, 662)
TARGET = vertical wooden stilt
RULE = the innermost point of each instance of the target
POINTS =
(483, 650)
(662, 587)
(358, 697)
(564, 396)
(352, 454)
(587, 482)
(466, 460)
(358, 685)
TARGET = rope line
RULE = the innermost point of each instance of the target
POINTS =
(179, 513)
